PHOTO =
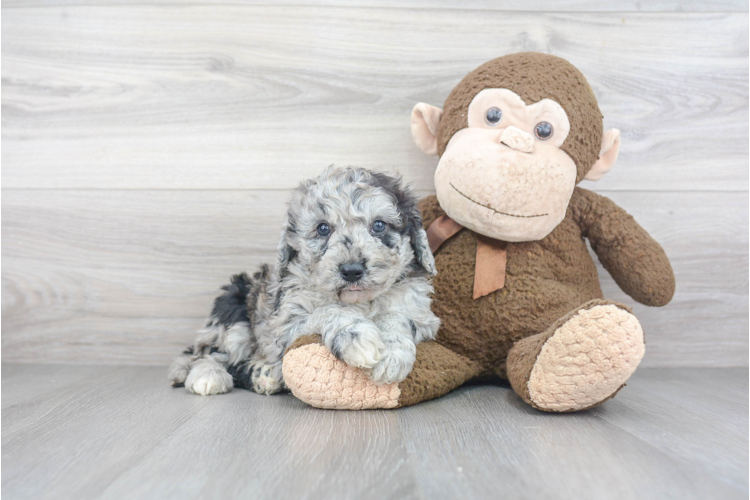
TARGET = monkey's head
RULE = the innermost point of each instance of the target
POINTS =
(514, 138)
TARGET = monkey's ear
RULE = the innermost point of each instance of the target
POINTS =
(607, 155)
(425, 120)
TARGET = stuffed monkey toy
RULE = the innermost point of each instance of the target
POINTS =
(517, 291)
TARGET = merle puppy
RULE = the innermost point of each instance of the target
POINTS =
(354, 266)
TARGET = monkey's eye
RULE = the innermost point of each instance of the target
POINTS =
(378, 226)
(493, 116)
(543, 131)
(324, 229)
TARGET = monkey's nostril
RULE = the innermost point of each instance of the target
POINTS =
(352, 271)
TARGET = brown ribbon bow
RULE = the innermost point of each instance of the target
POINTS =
(492, 255)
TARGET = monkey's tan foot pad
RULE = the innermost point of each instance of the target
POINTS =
(315, 376)
(586, 360)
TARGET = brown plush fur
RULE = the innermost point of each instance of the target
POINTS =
(436, 372)
(636, 262)
(546, 281)
(533, 77)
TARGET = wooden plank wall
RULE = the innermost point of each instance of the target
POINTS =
(147, 148)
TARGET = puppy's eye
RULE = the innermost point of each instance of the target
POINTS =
(493, 116)
(324, 229)
(378, 226)
(543, 131)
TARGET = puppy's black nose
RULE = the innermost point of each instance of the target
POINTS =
(352, 271)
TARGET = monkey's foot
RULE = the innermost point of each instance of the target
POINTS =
(315, 376)
(581, 361)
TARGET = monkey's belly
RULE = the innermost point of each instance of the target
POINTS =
(541, 286)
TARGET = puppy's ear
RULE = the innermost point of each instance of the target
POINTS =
(417, 234)
(287, 253)
(422, 248)
(407, 205)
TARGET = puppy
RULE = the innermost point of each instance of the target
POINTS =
(354, 266)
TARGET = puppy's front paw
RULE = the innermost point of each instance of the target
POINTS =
(267, 379)
(179, 370)
(359, 345)
(396, 363)
(208, 381)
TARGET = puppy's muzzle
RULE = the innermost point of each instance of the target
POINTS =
(352, 271)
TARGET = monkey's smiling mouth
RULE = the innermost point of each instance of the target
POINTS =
(496, 211)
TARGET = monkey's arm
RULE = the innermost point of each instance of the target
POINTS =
(634, 259)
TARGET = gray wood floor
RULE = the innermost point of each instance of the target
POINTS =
(122, 432)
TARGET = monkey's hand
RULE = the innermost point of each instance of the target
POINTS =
(634, 259)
